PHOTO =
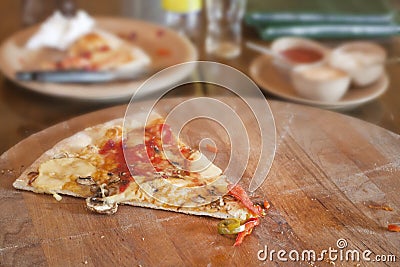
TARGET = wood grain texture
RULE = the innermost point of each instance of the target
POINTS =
(326, 171)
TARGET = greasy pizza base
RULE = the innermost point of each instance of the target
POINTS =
(74, 152)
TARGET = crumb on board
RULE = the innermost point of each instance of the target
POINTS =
(102, 236)
(394, 227)
(57, 197)
(376, 206)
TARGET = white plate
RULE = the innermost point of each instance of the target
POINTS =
(153, 39)
(274, 81)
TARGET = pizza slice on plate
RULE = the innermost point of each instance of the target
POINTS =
(152, 169)
(101, 50)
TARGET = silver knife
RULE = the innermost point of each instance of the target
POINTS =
(79, 76)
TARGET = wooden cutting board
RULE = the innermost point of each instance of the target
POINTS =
(329, 174)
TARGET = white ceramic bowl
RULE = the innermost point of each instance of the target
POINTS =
(307, 52)
(320, 82)
(362, 60)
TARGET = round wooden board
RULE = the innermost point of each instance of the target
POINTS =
(327, 170)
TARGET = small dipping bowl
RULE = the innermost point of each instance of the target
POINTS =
(320, 82)
(363, 61)
(294, 51)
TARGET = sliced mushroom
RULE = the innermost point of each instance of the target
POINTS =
(61, 155)
(214, 204)
(100, 205)
(228, 198)
(92, 148)
(114, 179)
(198, 199)
(85, 180)
(159, 175)
(212, 191)
(95, 190)
(32, 177)
(100, 191)
(104, 192)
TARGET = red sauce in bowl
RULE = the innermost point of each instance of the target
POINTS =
(302, 55)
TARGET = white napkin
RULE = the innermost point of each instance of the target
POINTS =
(59, 31)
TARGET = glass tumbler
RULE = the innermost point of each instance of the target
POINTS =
(224, 27)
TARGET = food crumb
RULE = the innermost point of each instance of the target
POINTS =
(329, 261)
(266, 204)
(394, 227)
(380, 207)
(85, 262)
(142, 238)
(102, 236)
(57, 197)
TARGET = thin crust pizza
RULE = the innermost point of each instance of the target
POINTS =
(151, 169)
(100, 50)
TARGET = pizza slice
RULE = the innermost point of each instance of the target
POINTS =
(151, 169)
(100, 50)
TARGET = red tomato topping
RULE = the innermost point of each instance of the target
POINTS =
(186, 152)
(123, 185)
(136, 154)
(249, 225)
(166, 132)
(104, 48)
(86, 54)
(238, 192)
(107, 147)
(113, 150)
(163, 52)
(59, 65)
(145, 158)
(150, 155)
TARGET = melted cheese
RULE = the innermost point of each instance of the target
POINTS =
(53, 174)
(203, 166)
(236, 210)
(131, 193)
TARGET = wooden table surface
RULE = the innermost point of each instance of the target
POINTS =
(25, 113)
(329, 170)
(329, 173)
